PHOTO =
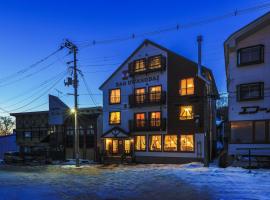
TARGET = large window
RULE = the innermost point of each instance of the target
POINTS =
(115, 96)
(186, 142)
(241, 132)
(115, 118)
(108, 144)
(140, 143)
(250, 55)
(115, 146)
(140, 119)
(154, 62)
(170, 143)
(260, 135)
(127, 146)
(186, 86)
(139, 65)
(155, 119)
(155, 93)
(250, 91)
(155, 142)
(186, 112)
(140, 95)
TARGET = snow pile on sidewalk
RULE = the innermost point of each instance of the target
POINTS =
(155, 182)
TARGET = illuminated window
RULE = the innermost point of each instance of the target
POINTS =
(187, 86)
(186, 112)
(154, 62)
(115, 117)
(155, 119)
(115, 146)
(127, 146)
(139, 65)
(155, 142)
(187, 143)
(115, 96)
(140, 95)
(140, 119)
(108, 144)
(140, 143)
(155, 93)
(170, 143)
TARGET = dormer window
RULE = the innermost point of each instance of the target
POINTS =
(250, 55)
(139, 65)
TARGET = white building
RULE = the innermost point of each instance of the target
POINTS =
(247, 59)
(153, 107)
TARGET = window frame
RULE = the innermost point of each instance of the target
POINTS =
(179, 116)
(145, 119)
(110, 90)
(149, 118)
(145, 95)
(149, 93)
(145, 65)
(135, 142)
(186, 89)
(240, 64)
(110, 118)
(177, 145)
(193, 137)
(149, 143)
(239, 94)
(149, 61)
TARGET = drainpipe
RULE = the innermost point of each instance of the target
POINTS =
(208, 130)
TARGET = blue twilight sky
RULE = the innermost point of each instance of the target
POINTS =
(32, 29)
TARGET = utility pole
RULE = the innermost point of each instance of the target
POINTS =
(73, 49)
(207, 107)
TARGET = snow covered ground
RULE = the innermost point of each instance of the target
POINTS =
(115, 182)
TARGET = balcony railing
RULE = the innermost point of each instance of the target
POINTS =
(148, 125)
(147, 67)
(155, 98)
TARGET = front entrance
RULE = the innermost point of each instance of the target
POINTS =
(117, 146)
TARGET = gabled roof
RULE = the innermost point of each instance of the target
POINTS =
(145, 42)
(244, 32)
(115, 132)
(251, 28)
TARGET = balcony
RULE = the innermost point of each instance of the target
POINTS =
(147, 99)
(148, 125)
(147, 65)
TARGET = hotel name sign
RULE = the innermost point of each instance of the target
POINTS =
(139, 80)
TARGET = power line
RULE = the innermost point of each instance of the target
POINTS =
(88, 90)
(44, 93)
(176, 27)
(24, 70)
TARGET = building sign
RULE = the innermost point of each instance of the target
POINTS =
(139, 80)
(253, 110)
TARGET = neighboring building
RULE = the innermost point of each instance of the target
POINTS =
(51, 133)
(7, 143)
(155, 107)
(247, 59)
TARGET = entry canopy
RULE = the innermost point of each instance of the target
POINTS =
(115, 132)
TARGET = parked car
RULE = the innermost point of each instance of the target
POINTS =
(81, 161)
(12, 157)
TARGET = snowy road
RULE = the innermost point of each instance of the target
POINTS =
(151, 182)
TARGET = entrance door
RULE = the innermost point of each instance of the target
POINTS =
(115, 147)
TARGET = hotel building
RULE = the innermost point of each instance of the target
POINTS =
(156, 108)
